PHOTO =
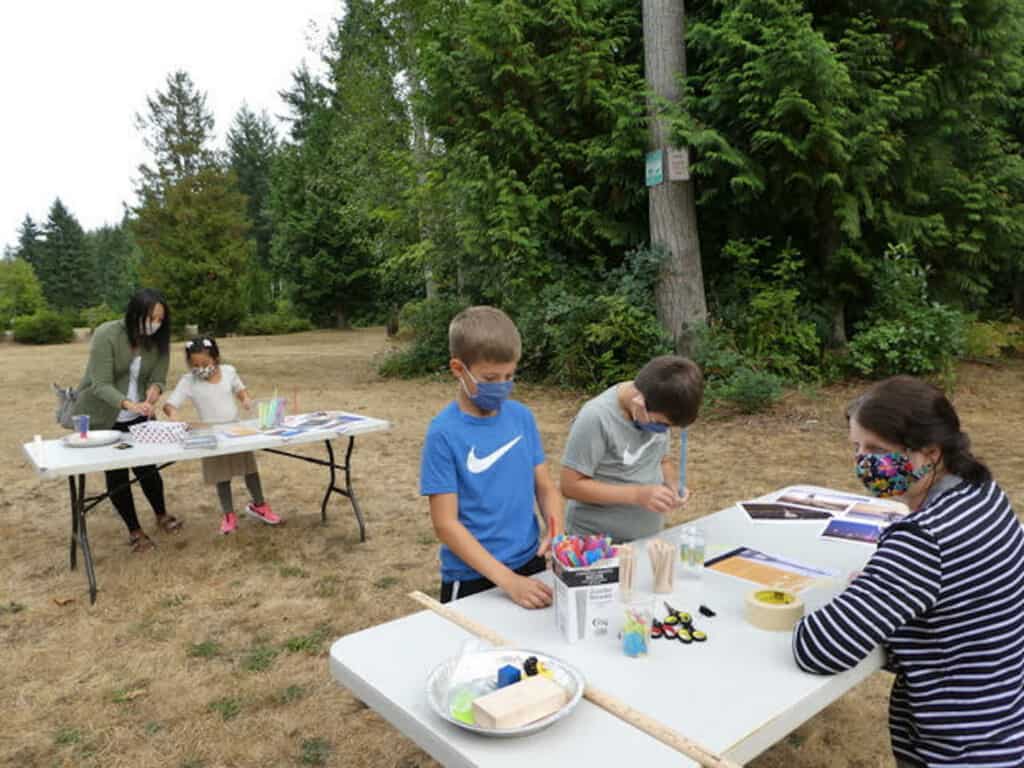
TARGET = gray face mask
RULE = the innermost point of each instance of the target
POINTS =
(205, 372)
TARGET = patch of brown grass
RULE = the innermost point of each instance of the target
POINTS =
(212, 652)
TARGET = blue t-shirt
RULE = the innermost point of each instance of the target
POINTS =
(489, 463)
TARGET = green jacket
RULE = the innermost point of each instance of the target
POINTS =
(105, 383)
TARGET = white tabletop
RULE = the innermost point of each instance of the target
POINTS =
(58, 460)
(737, 694)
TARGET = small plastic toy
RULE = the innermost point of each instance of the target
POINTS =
(508, 675)
(462, 707)
(530, 666)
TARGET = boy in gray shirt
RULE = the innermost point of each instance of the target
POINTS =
(615, 469)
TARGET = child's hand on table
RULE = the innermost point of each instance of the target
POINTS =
(527, 592)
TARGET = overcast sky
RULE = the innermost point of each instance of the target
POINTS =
(74, 73)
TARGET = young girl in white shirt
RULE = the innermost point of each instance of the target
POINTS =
(215, 390)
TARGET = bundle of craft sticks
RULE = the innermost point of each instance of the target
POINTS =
(626, 569)
(663, 564)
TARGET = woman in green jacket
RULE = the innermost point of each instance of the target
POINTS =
(125, 377)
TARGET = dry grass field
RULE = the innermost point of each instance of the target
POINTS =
(211, 652)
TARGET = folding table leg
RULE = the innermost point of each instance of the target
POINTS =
(351, 493)
(82, 534)
(75, 505)
(331, 483)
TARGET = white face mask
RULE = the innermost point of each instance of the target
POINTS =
(151, 327)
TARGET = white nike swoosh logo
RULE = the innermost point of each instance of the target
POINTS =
(629, 459)
(476, 464)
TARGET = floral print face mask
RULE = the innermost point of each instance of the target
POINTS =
(888, 474)
(204, 373)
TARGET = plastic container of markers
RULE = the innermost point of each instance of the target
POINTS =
(270, 412)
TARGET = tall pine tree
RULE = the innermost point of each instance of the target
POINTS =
(191, 220)
(64, 266)
(339, 185)
(252, 147)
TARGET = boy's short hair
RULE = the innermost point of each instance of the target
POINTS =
(484, 334)
(673, 386)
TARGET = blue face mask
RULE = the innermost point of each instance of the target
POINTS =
(651, 426)
(645, 425)
(489, 394)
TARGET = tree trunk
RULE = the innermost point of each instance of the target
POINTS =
(681, 302)
(340, 318)
(1018, 293)
(421, 158)
(838, 338)
(829, 239)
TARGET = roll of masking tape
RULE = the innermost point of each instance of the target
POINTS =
(774, 609)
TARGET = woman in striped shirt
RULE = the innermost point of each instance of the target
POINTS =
(944, 591)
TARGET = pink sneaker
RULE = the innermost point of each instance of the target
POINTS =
(262, 512)
(229, 523)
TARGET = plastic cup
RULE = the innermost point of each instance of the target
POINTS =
(81, 425)
(637, 616)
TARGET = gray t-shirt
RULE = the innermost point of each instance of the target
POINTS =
(605, 445)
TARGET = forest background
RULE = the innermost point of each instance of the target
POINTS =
(856, 167)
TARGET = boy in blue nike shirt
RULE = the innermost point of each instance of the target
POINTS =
(483, 469)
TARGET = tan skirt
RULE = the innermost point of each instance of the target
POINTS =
(219, 469)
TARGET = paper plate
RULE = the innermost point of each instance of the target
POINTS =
(94, 439)
(483, 666)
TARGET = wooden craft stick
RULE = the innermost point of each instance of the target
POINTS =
(605, 701)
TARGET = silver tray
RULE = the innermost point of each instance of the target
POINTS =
(484, 665)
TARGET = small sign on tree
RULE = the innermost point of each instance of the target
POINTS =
(655, 168)
(678, 164)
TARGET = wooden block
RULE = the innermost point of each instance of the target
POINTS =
(519, 704)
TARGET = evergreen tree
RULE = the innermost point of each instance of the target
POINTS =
(338, 191)
(838, 128)
(64, 264)
(540, 109)
(252, 146)
(117, 269)
(30, 239)
(194, 248)
(191, 221)
(177, 129)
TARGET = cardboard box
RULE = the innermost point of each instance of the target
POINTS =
(587, 600)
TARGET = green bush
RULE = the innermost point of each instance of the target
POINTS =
(751, 391)
(989, 339)
(426, 321)
(904, 332)
(590, 334)
(273, 325)
(579, 330)
(763, 305)
(96, 316)
(20, 291)
(44, 327)
(717, 353)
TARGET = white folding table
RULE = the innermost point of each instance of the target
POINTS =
(736, 694)
(52, 459)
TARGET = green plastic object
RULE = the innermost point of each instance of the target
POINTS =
(462, 707)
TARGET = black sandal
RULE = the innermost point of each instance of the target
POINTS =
(169, 524)
(141, 543)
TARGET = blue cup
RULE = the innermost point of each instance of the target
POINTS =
(81, 425)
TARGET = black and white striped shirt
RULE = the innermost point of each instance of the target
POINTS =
(944, 592)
